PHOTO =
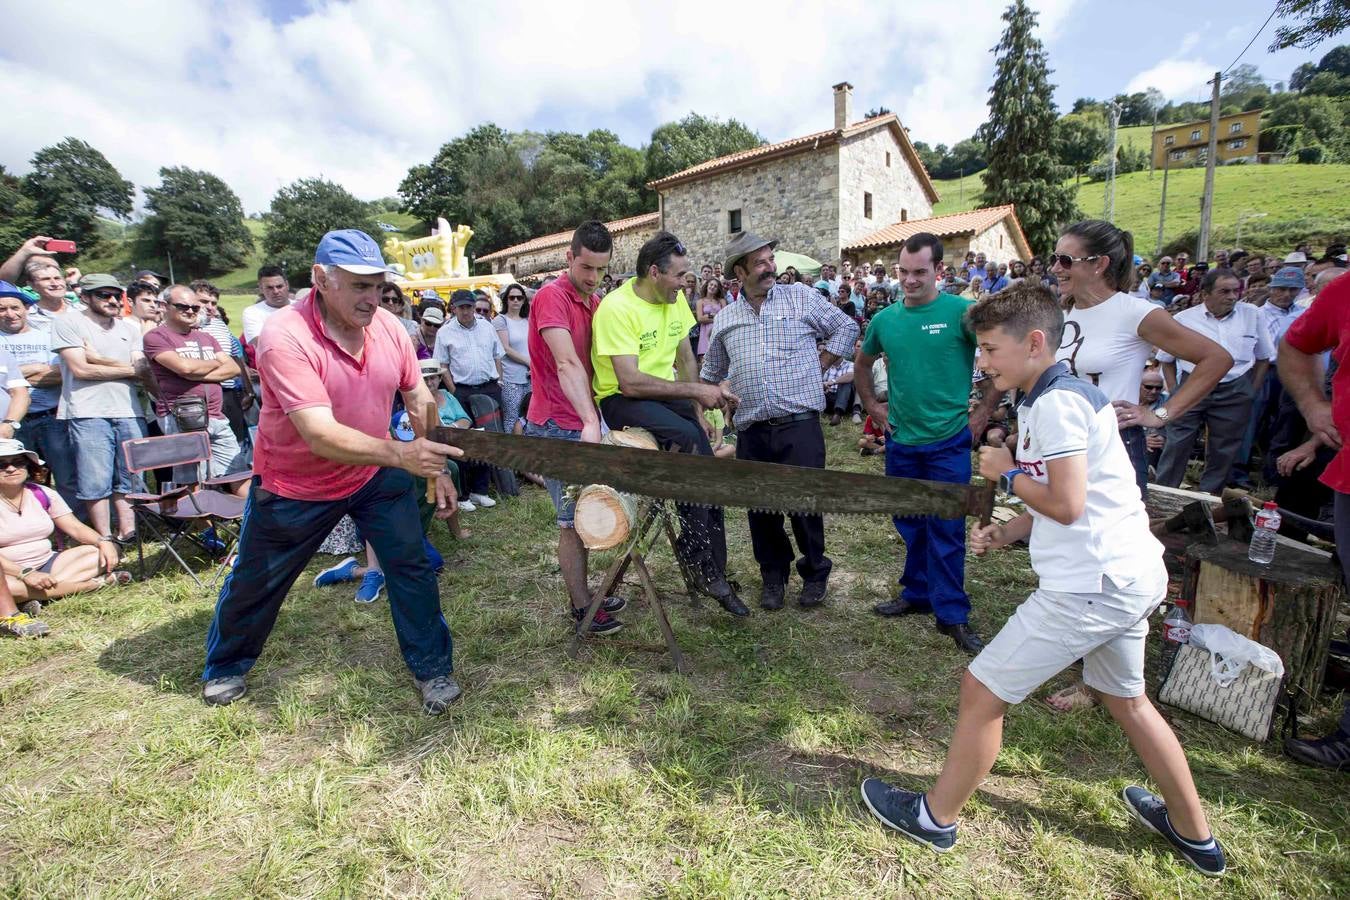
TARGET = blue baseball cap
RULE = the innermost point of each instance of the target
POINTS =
(1288, 277)
(351, 249)
(9, 290)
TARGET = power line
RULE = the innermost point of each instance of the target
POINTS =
(1253, 40)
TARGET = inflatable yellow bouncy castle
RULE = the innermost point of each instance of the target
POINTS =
(438, 263)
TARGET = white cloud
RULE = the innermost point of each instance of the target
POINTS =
(1177, 79)
(359, 90)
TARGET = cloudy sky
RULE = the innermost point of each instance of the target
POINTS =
(262, 93)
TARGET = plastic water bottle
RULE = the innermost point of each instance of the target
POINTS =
(1262, 549)
(1176, 631)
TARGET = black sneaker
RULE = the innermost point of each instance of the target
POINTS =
(1330, 752)
(603, 623)
(771, 595)
(900, 810)
(813, 594)
(1151, 812)
(612, 605)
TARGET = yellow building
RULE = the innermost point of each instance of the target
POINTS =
(1188, 143)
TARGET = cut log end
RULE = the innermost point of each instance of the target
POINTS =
(604, 517)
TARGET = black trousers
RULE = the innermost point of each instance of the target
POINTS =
(677, 424)
(477, 476)
(231, 403)
(794, 444)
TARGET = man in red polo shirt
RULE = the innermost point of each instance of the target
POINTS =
(1326, 325)
(562, 405)
(330, 365)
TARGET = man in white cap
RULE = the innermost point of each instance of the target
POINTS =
(330, 365)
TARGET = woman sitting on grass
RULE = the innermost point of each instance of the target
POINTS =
(29, 513)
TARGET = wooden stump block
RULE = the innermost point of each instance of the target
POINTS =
(1289, 605)
(604, 517)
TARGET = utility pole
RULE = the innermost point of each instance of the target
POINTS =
(1207, 201)
(1152, 141)
(961, 185)
(1162, 205)
(1110, 216)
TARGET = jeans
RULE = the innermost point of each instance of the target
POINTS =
(278, 538)
(675, 423)
(794, 444)
(49, 438)
(564, 507)
(1136, 447)
(101, 466)
(935, 549)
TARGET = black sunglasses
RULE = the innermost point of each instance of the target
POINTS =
(1151, 387)
(1065, 261)
(14, 462)
(107, 295)
(186, 307)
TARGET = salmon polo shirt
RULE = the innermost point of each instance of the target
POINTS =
(301, 366)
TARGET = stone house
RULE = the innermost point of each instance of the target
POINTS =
(993, 231)
(549, 253)
(815, 194)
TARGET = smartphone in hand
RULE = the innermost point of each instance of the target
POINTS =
(55, 246)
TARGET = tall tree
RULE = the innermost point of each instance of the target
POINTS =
(197, 220)
(1020, 134)
(68, 186)
(1315, 21)
(15, 212)
(301, 213)
(439, 188)
(676, 146)
(1079, 142)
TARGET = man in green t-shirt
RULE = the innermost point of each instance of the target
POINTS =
(639, 339)
(928, 429)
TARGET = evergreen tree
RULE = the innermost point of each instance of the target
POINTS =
(301, 213)
(69, 184)
(1020, 135)
(197, 220)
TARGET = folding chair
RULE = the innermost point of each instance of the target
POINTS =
(180, 510)
(485, 413)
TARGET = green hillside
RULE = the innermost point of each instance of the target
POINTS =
(1298, 200)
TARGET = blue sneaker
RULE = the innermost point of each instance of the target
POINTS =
(212, 542)
(1149, 811)
(343, 571)
(900, 810)
(434, 556)
(372, 586)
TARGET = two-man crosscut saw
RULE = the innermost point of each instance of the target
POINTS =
(712, 481)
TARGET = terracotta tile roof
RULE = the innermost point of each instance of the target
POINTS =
(971, 222)
(800, 145)
(563, 237)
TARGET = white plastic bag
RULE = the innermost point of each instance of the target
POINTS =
(1230, 652)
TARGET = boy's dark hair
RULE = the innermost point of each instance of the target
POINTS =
(1104, 239)
(271, 271)
(140, 288)
(1212, 278)
(202, 286)
(917, 242)
(592, 236)
(1019, 310)
(658, 251)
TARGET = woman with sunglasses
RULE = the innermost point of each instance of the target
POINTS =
(1108, 337)
(29, 514)
(392, 299)
(513, 330)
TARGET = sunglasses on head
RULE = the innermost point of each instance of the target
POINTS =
(186, 307)
(1065, 261)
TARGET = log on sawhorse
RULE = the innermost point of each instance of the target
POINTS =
(655, 523)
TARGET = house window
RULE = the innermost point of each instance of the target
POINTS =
(1170, 140)
(1178, 154)
(867, 205)
(733, 221)
(1195, 135)
(904, 215)
(1237, 144)
(1235, 128)
(888, 159)
(1000, 242)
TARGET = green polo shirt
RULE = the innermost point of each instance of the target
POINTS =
(930, 355)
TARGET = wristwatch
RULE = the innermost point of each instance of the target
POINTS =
(12, 423)
(1161, 413)
(1005, 481)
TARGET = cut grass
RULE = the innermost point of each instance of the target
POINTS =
(609, 775)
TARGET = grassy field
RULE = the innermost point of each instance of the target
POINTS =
(606, 776)
(1289, 195)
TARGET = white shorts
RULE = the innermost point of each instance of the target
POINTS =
(1051, 629)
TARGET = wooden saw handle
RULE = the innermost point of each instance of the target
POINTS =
(985, 501)
(432, 414)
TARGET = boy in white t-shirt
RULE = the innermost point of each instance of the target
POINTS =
(1101, 575)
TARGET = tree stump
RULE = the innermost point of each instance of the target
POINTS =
(604, 517)
(1289, 605)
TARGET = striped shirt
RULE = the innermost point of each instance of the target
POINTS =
(770, 357)
(228, 343)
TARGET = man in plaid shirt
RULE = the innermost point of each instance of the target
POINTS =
(766, 345)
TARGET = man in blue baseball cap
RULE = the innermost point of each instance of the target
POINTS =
(330, 364)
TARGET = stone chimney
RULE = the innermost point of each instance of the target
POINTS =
(843, 98)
